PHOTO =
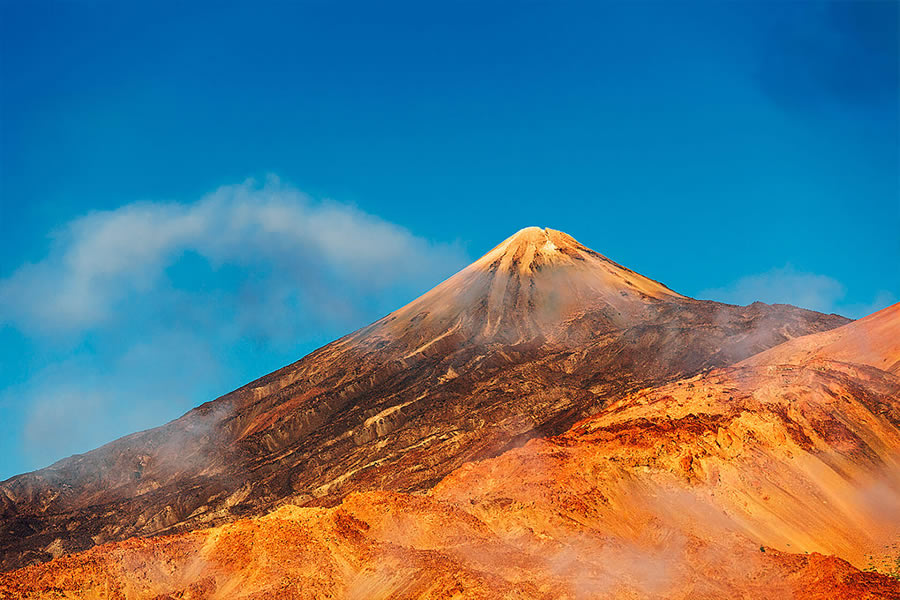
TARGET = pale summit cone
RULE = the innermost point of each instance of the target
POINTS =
(528, 286)
(532, 250)
(535, 335)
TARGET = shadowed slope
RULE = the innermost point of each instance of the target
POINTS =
(535, 335)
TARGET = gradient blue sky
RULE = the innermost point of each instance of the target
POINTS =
(194, 195)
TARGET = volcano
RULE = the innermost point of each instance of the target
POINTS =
(535, 336)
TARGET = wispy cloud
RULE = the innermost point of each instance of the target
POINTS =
(786, 285)
(99, 261)
(137, 314)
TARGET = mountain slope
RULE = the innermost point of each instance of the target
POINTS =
(873, 340)
(535, 335)
(755, 480)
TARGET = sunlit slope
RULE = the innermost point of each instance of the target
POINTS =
(379, 546)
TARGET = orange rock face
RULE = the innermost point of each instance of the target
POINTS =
(775, 478)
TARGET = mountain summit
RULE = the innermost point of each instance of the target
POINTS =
(528, 286)
(533, 250)
(535, 335)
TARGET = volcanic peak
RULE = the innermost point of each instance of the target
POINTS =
(488, 358)
(567, 267)
(529, 287)
(531, 248)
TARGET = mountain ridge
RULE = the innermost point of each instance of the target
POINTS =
(873, 340)
(486, 360)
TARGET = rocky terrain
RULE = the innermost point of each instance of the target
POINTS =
(777, 477)
(534, 336)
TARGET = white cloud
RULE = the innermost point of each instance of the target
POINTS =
(786, 285)
(137, 314)
(100, 260)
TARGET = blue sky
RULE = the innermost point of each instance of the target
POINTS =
(194, 195)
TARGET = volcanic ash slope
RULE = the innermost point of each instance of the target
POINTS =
(773, 478)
